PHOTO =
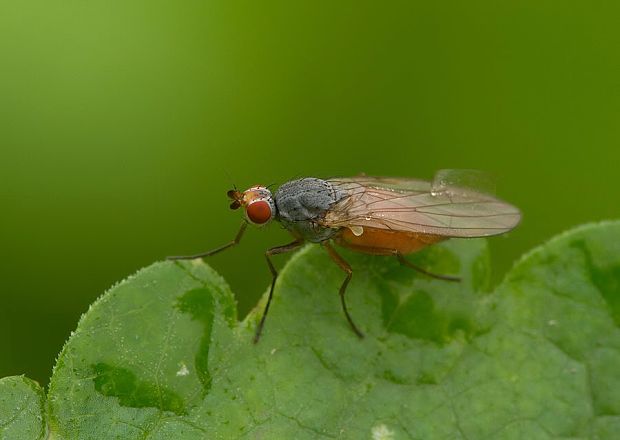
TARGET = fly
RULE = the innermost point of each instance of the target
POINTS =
(372, 215)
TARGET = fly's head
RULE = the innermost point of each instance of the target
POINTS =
(257, 202)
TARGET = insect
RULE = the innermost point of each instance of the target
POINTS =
(373, 215)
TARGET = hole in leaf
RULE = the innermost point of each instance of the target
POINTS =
(199, 304)
(121, 383)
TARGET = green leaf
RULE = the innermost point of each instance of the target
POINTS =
(162, 356)
(22, 409)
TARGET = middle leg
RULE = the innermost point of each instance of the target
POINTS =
(347, 269)
(274, 273)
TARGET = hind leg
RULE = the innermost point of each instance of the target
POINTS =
(401, 258)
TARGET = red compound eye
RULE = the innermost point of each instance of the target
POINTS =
(259, 212)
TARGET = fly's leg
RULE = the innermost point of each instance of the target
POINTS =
(235, 241)
(408, 263)
(274, 273)
(347, 269)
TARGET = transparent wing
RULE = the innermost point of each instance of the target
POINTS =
(439, 208)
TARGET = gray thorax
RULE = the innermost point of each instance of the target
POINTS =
(302, 203)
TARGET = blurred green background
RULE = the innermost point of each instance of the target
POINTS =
(123, 123)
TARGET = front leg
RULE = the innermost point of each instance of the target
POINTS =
(274, 273)
(232, 243)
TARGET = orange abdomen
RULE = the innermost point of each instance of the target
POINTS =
(384, 241)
